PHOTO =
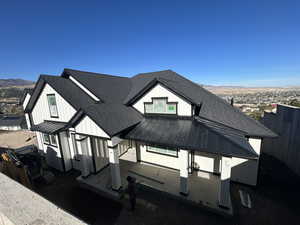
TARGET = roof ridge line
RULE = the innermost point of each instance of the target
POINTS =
(229, 127)
(92, 73)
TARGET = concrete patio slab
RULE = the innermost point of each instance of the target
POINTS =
(203, 186)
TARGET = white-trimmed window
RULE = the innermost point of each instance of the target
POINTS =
(46, 138)
(161, 106)
(52, 105)
(163, 151)
(50, 139)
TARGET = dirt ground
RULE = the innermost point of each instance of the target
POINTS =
(275, 201)
(17, 139)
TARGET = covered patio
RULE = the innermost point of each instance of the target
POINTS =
(168, 165)
(203, 186)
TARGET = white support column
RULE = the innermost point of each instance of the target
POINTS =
(224, 192)
(27, 121)
(39, 141)
(184, 171)
(82, 150)
(114, 165)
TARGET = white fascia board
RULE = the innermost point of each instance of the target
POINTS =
(84, 89)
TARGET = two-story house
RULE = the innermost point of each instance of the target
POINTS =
(168, 132)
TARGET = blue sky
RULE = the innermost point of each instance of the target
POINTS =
(221, 42)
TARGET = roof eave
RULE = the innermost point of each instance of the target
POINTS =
(150, 85)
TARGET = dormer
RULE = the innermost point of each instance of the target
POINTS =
(160, 100)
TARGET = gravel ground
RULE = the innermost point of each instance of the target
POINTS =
(274, 202)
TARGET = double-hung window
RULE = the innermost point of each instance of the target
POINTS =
(163, 151)
(160, 106)
(52, 105)
(50, 139)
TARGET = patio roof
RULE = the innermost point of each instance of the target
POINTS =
(49, 127)
(191, 134)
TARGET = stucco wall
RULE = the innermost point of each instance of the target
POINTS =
(244, 170)
(184, 108)
(41, 111)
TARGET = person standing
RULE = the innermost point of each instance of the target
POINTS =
(132, 191)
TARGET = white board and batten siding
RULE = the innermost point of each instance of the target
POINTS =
(41, 111)
(52, 153)
(184, 108)
(246, 170)
(88, 127)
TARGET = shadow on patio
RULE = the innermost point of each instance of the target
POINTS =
(203, 186)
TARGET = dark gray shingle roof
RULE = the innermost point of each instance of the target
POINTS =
(212, 107)
(49, 127)
(65, 87)
(191, 135)
(108, 88)
(113, 118)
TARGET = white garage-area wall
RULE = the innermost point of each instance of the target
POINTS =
(207, 162)
(157, 159)
(41, 111)
(245, 170)
(183, 108)
(89, 127)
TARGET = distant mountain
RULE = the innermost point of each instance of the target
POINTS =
(15, 82)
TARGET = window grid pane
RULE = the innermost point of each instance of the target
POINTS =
(53, 139)
(46, 138)
(171, 108)
(162, 151)
(161, 106)
(149, 108)
(52, 105)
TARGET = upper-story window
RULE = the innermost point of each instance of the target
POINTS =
(52, 105)
(160, 106)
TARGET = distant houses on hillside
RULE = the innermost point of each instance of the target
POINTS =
(12, 122)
